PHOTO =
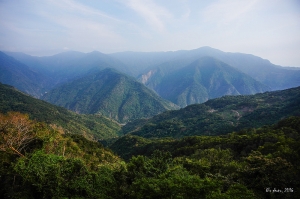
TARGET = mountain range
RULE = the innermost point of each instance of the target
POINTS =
(273, 77)
(109, 93)
(262, 70)
(182, 77)
(67, 65)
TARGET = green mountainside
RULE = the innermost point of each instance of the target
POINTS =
(91, 126)
(133, 145)
(204, 79)
(220, 116)
(109, 93)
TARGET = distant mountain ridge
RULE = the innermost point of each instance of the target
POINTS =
(110, 93)
(262, 70)
(156, 70)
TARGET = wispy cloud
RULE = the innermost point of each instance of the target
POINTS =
(151, 12)
(186, 15)
(72, 6)
(224, 12)
(82, 25)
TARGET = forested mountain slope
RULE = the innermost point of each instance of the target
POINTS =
(221, 115)
(258, 158)
(253, 163)
(110, 93)
(205, 78)
(91, 126)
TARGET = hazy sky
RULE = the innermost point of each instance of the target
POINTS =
(266, 28)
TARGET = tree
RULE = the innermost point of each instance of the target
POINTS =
(16, 132)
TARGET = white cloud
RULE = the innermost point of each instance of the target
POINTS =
(224, 12)
(151, 12)
(74, 7)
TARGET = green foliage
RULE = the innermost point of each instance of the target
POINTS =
(141, 166)
(160, 177)
(244, 164)
(55, 176)
(59, 166)
(263, 171)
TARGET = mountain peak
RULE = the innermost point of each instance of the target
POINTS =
(110, 93)
(204, 79)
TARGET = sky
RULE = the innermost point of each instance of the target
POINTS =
(266, 28)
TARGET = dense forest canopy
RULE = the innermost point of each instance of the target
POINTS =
(38, 161)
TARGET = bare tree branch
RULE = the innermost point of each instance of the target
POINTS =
(16, 132)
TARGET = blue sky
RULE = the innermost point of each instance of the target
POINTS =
(266, 28)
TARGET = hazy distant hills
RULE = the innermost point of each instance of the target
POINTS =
(77, 62)
(110, 93)
(139, 62)
(274, 76)
(220, 116)
(203, 79)
(19, 75)
(91, 126)
(64, 67)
